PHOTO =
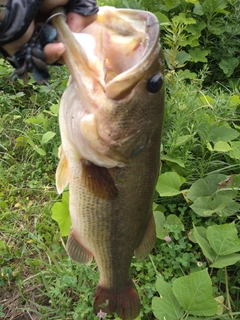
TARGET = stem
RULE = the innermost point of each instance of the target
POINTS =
(228, 295)
(155, 269)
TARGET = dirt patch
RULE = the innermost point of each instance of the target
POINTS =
(15, 308)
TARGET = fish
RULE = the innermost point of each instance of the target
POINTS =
(111, 117)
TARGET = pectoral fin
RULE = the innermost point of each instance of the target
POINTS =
(77, 251)
(62, 173)
(147, 242)
(98, 181)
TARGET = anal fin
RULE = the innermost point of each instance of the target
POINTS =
(148, 241)
(77, 251)
(98, 180)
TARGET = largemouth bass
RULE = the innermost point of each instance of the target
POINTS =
(110, 120)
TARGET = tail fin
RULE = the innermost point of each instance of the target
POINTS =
(125, 302)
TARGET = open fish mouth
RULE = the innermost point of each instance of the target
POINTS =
(130, 38)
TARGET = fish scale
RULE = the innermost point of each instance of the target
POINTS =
(111, 134)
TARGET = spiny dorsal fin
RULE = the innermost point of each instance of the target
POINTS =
(98, 181)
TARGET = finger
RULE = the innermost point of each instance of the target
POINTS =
(53, 52)
(77, 22)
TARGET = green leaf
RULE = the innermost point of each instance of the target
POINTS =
(198, 55)
(206, 99)
(194, 293)
(213, 181)
(224, 261)
(222, 133)
(198, 189)
(203, 206)
(228, 65)
(47, 136)
(159, 221)
(220, 204)
(222, 146)
(186, 74)
(167, 306)
(201, 239)
(221, 307)
(170, 4)
(181, 18)
(235, 152)
(209, 146)
(55, 109)
(173, 159)
(225, 206)
(233, 102)
(40, 151)
(163, 20)
(183, 139)
(190, 41)
(206, 187)
(198, 9)
(223, 238)
(182, 57)
(192, 1)
(169, 184)
(201, 232)
(2, 245)
(173, 220)
(60, 213)
(196, 29)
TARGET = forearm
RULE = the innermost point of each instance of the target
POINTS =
(18, 17)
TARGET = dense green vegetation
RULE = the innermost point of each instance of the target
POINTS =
(195, 263)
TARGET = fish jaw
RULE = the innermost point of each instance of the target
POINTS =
(107, 74)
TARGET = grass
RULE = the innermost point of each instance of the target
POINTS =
(37, 279)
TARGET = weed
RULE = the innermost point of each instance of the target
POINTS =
(197, 196)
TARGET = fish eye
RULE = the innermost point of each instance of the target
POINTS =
(155, 83)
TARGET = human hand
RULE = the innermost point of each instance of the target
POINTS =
(76, 22)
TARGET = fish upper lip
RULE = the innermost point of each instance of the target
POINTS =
(90, 70)
(110, 76)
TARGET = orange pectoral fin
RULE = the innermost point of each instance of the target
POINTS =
(98, 181)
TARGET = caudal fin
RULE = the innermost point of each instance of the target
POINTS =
(125, 302)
